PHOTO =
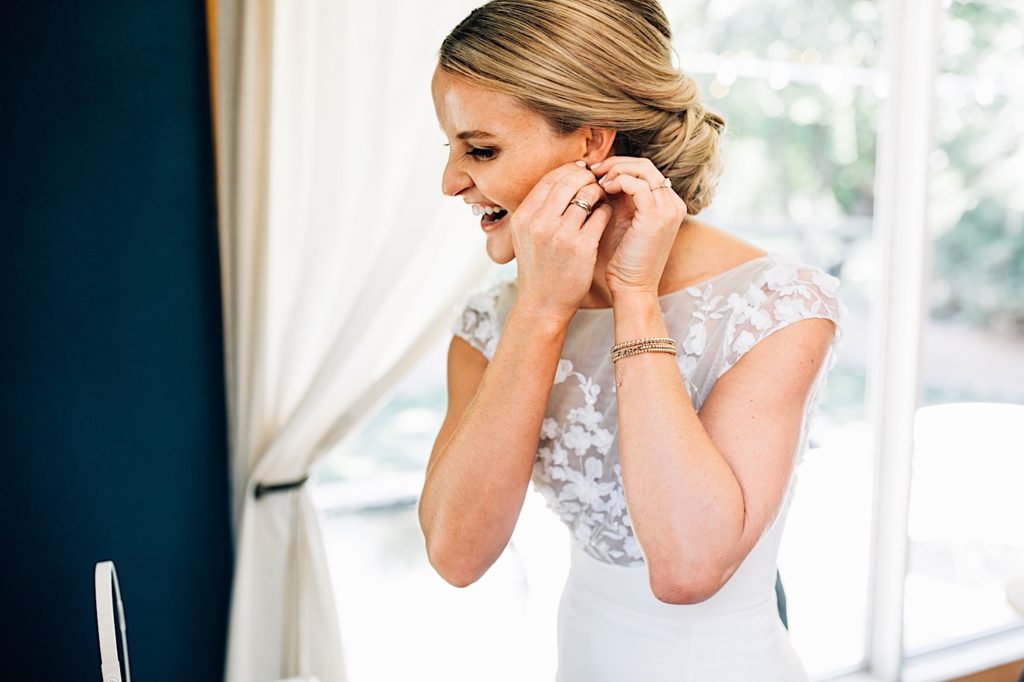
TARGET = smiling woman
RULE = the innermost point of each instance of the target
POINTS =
(652, 374)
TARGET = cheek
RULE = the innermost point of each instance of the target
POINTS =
(544, 162)
(516, 193)
(521, 183)
(520, 172)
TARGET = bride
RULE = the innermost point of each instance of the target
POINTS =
(652, 375)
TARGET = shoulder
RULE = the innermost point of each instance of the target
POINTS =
(784, 287)
(481, 314)
(782, 291)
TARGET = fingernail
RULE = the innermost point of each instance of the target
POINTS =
(581, 163)
(602, 181)
(595, 165)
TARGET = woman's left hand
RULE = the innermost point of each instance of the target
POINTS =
(640, 256)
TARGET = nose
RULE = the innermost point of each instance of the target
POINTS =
(454, 181)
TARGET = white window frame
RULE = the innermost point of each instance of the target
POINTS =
(905, 139)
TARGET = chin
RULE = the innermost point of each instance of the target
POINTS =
(499, 248)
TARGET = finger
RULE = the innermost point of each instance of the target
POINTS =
(641, 168)
(605, 164)
(596, 223)
(644, 199)
(566, 187)
(575, 214)
(537, 197)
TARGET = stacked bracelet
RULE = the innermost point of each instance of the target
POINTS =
(652, 345)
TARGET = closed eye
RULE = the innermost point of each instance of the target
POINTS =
(478, 153)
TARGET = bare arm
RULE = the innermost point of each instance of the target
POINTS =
(481, 463)
(701, 489)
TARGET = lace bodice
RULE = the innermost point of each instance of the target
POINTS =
(714, 323)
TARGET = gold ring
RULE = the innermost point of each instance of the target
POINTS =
(582, 204)
(667, 184)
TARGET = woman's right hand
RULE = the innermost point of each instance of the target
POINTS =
(556, 242)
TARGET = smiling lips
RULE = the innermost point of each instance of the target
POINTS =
(492, 216)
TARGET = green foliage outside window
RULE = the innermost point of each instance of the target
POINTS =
(799, 85)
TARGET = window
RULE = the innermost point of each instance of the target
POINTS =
(966, 540)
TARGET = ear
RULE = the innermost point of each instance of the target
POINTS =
(598, 144)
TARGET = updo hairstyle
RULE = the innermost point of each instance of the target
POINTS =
(601, 63)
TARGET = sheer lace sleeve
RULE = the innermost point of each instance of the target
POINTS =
(787, 292)
(477, 320)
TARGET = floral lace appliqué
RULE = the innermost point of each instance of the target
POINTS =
(788, 292)
(572, 474)
(477, 321)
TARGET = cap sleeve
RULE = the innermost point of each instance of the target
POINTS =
(476, 320)
(786, 292)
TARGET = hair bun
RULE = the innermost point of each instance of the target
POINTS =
(685, 148)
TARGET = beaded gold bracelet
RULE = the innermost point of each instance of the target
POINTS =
(634, 342)
(651, 345)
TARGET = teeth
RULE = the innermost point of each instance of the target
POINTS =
(489, 210)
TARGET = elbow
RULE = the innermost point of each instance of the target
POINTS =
(459, 560)
(455, 572)
(681, 594)
(685, 587)
(437, 557)
(455, 576)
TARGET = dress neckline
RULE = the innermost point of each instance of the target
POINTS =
(712, 278)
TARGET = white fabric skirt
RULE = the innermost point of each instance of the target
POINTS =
(611, 628)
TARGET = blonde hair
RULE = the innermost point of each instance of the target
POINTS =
(601, 63)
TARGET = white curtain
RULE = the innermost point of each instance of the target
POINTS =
(341, 261)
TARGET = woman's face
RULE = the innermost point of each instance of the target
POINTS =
(498, 151)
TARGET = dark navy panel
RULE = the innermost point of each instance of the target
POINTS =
(112, 413)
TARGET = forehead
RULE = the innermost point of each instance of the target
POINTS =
(462, 106)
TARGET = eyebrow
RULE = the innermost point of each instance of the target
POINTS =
(479, 134)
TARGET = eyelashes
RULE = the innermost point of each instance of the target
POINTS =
(478, 153)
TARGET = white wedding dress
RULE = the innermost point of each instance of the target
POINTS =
(611, 627)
